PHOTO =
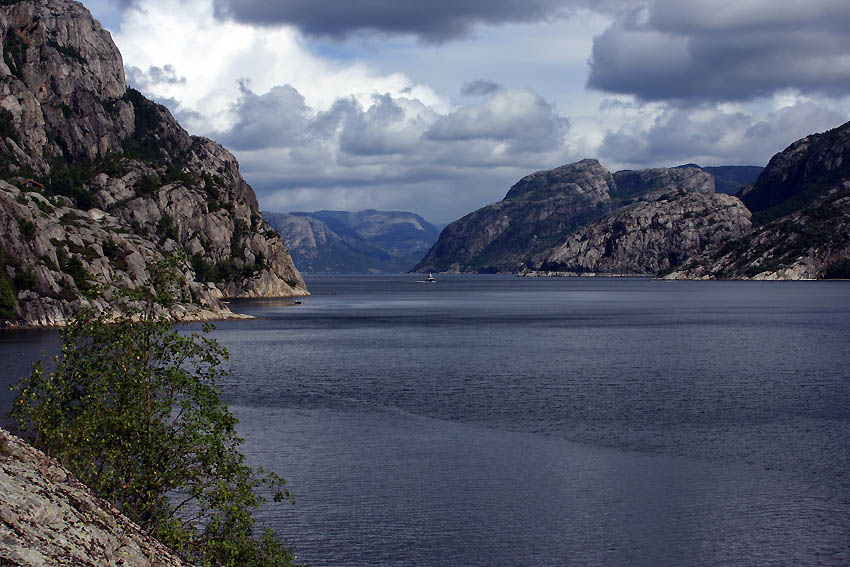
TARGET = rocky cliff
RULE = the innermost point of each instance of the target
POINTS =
(538, 209)
(545, 209)
(812, 243)
(797, 176)
(354, 242)
(647, 237)
(96, 180)
(801, 212)
(48, 517)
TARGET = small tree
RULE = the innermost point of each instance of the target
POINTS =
(133, 410)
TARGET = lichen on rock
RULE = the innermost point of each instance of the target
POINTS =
(48, 517)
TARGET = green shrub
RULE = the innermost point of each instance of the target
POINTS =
(133, 410)
(14, 53)
(45, 207)
(27, 228)
(82, 278)
(68, 51)
(7, 126)
(26, 279)
(166, 227)
(838, 270)
(7, 299)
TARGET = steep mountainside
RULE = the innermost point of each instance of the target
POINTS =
(95, 180)
(801, 209)
(812, 243)
(647, 237)
(543, 209)
(345, 242)
(799, 175)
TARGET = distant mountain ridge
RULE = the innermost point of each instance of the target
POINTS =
(354, 242)
(526, 232)
(791, 222)
(730, 179)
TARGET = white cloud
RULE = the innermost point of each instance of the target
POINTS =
(387, 122)
(215, 57)
(713, 134)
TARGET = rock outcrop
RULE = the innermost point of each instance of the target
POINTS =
(97, 180)
(801, 215)
(793, 222)
(812, 243)
(48, 517)
(537, 209)
(800, 174)
(647, 237)
(544, 209)
(361, 242)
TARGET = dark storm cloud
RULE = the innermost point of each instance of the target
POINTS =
(479, 88)
(718, 50)
(433, 21)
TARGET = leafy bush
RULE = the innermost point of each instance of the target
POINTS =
(27, 228)
(838, 270)
(133, 410)
(82, 278)
(7, 298)
(45, 207)
(70, 181)
(68, 51)
(26, 279)
(167, 228)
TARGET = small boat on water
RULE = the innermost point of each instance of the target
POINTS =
(431, 278)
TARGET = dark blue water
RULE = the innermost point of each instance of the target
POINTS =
(495, 420)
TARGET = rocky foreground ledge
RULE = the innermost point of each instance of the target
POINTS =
(48, 517)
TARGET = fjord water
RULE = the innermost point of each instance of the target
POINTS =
(490, 420)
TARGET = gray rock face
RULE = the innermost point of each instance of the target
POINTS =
(98, 180)
(801, 214)
(543, 209)
(647, 237)
(803, 172)
(50, 518)
(346, 242)
(812, 243)
(61, 80)
(538, 208)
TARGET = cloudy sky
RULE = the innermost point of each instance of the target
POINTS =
(438, 107)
